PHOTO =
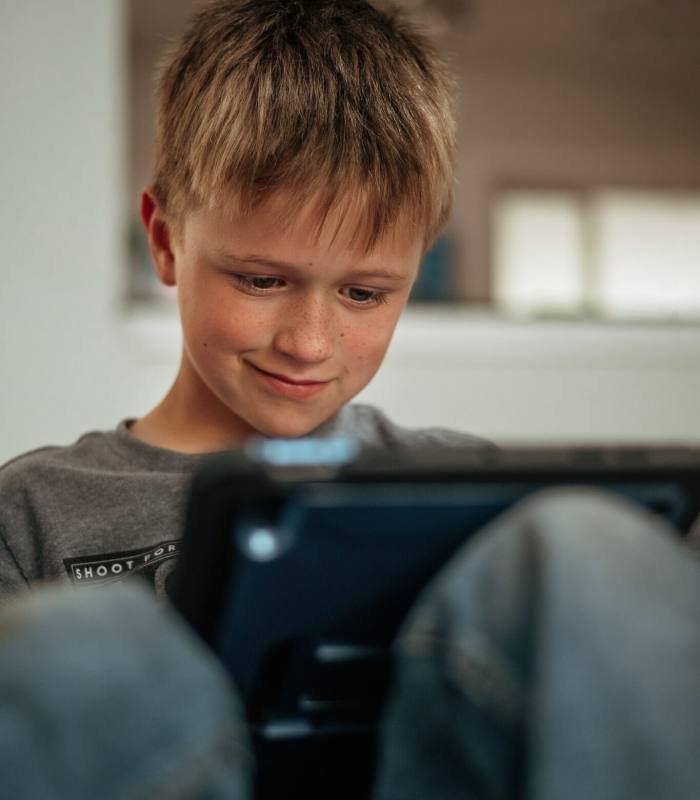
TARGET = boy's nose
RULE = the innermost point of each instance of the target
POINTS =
(306, 332)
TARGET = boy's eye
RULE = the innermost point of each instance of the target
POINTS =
(365, 296)
(258, 283)
(263, 283)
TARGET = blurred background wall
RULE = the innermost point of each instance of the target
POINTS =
(571, 101)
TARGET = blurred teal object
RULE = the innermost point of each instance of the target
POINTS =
(436, 277)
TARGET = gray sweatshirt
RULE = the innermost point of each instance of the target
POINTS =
(111, 506)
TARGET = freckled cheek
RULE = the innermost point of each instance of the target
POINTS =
(364, 349)
(230, 332)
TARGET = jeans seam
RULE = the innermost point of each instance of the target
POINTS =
(474, 668)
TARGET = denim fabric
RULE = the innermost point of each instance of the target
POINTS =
(104, 695)
(556, 658)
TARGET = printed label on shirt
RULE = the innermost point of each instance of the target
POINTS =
(155, 564)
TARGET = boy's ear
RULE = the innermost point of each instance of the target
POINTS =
(159, 237)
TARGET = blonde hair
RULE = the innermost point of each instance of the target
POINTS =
(329, 100)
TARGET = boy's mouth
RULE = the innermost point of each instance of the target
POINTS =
(286, 379)
(290, 387)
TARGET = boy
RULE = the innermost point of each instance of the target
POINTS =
(303, 166)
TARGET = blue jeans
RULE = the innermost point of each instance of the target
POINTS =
(104, 696)
(557, 656)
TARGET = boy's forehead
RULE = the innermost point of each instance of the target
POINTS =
(290, 222)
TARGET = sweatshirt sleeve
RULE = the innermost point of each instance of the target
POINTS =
(15, 522)
(12, 579)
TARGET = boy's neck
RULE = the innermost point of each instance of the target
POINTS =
(186, 422)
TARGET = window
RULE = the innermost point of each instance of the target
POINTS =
(610, 253)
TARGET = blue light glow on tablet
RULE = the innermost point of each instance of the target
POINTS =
(262, 544)
(304, 452)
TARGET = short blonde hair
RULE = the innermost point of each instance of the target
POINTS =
(324, 99)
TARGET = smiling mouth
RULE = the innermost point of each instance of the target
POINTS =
(288, 388)
(290, 381)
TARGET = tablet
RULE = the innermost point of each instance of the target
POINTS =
(301, 559)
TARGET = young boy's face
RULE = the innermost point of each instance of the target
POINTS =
(281, 328)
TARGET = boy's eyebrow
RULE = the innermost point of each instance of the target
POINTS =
(270, 263)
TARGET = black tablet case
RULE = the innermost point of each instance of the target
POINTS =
(298, 573)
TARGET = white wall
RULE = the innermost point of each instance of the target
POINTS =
(547, 382)
(63, 364)
(71, 360)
